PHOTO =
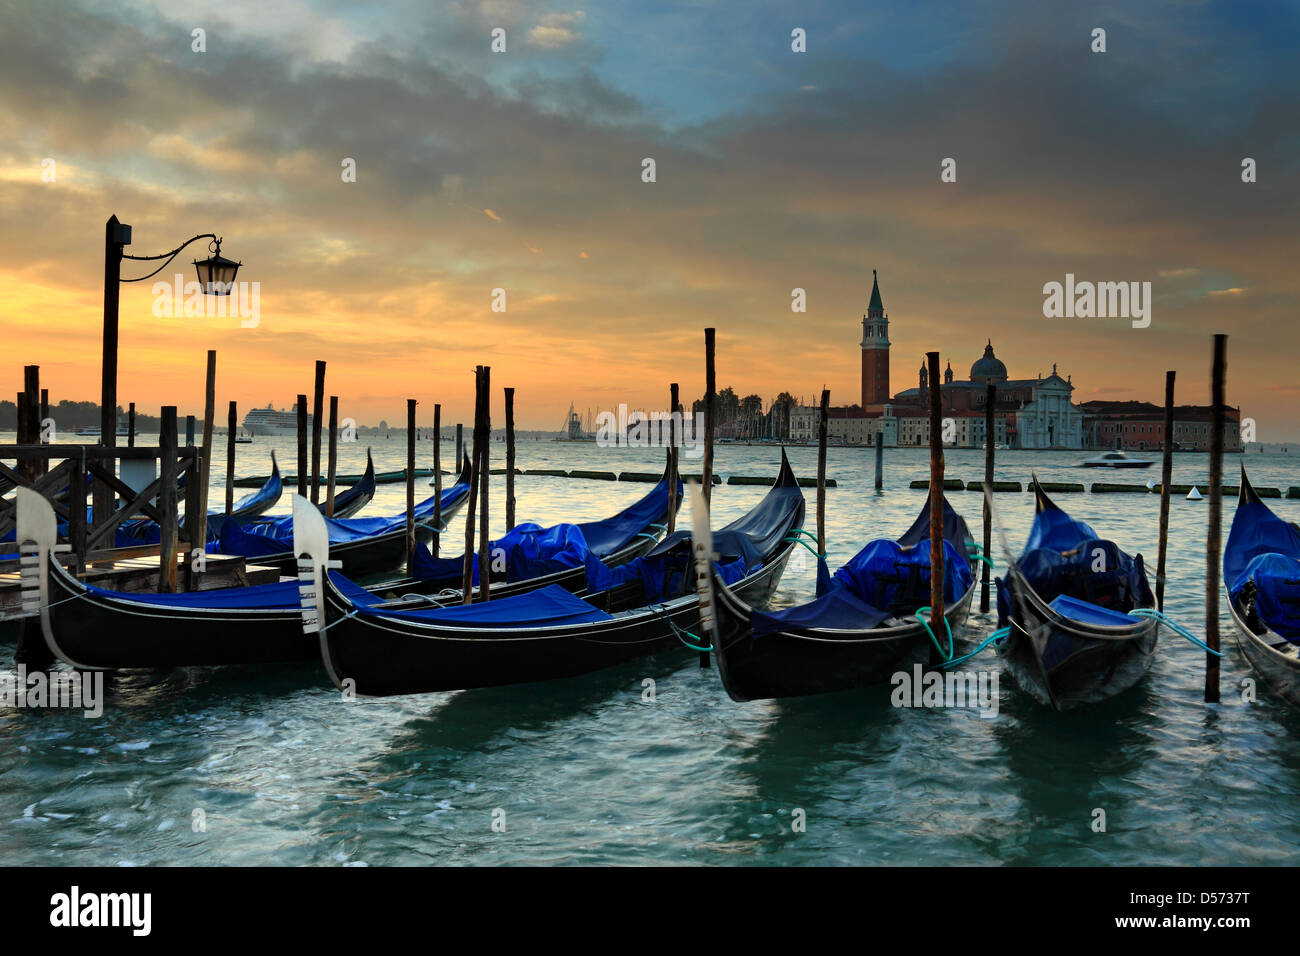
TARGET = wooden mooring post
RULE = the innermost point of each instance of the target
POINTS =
(200, 526)
(483, 427)
(674, 419)
(1166, 475)
(1213, 553)
(332, 467)
(823, 431)
(302, 445)
(410, 484)
(318, 418)
(467, 566)
(130, 426)
(710, 415)
(232, 429)
(167, 501)
(936, 494)
(990, 401)
(510, 458)
(437, 479)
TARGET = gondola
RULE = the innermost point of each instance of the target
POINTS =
(1067, 599)
(95, 628)
(348, 503)
(648, 605)
(1261, 575)
(363, 545)
(861, 629)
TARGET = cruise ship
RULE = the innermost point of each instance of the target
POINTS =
(267, 421)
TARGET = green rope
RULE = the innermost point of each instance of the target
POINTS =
(1152, 613)
(998, 636)
(804, 531)
(925, 623)
(811, 549)
(678, 631)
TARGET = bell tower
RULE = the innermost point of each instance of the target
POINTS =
(875, 349)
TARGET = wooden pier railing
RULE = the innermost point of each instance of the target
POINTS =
(66, 484)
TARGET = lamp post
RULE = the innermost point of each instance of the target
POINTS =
(216, 276)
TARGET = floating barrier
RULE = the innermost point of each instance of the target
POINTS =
(1061, 486)
(1109, 488)
(996, 486)
(949, 484)
(594, 475)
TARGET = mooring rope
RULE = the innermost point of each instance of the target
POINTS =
(1152, 614)
(811, 549)
(998, 636)
(678, 631)
(925, 623)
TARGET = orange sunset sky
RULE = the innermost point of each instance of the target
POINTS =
(522, 170)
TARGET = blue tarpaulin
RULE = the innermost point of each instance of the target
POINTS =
(1086, 612)
(550, 606)
(838, 609)
(1066, 557)
(258, 597)
(1276, 578)
(276, 537)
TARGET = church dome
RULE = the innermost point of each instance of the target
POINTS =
(989, 368)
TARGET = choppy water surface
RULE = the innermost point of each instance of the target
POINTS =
(586, 771)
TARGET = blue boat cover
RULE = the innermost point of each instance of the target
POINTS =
(839, 609)
(551, 606)
(666, 575)
(1276, 580)
(893, 578)
(1086, 612)
(276, 537)
(1059, 559)
(613, 534)
(527, 551)
(258, 597)
(1255, 531)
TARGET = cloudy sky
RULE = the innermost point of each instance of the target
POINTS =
(775, 170)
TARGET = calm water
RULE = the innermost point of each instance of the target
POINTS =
(587, 772)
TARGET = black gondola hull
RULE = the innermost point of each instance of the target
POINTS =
(377, 657)
(95, 632)
(1102, 662)
(798, 663)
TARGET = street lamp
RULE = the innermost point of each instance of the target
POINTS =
(216, 276)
